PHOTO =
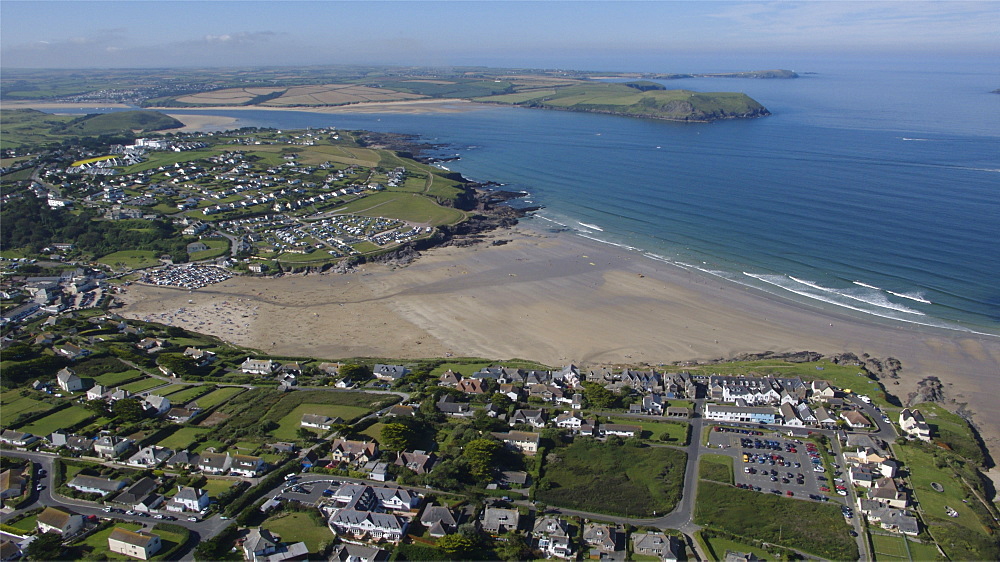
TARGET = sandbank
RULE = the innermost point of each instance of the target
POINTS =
(557, 298)
(200, 123)
(400, 107)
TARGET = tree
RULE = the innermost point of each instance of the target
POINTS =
(97, 406)
(457, 546)
(305, 434)
(128, 410)
(598, 396)
(512, 547)
(397, 437)
(481, 455)
(355, 372)
(46, 546)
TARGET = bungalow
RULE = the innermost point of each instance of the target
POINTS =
(68, 381)
(95, 485)
(498, 521)
(200, 356)
(401, 411)
(258, 366)
(188, 499)
(261, 546)
(666, 548)
(524, 441)
(17, 438)
(72, 352)
(438, 520)
(79, 444)
(183, 460)
(318, 421)
(150, 457)
(11, 484)
(182, 415)
(678, 412)
(141, 495)
(390, 372)
(247, 466)
(535, 418)
(856, 420)
(622, 430)
(552, 536)
(111, 446)
(451, 407)
(137, 544)
(214, 463)
(57, 520)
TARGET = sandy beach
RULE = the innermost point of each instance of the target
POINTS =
(557, 298)
(400, 107)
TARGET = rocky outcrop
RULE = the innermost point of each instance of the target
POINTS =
(929, 389)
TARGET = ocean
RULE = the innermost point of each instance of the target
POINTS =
(872, 191)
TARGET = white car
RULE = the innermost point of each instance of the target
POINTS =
(193, 519)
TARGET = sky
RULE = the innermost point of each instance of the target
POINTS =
(554, 34)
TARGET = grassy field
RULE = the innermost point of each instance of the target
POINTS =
(216, 248)
(923, 551)
(215, 486)
(810, 526)
(27, 524)
(112, 380)
(14, 404)
(98, 542)
(889, 547)
(130, 259)
(142, 385)
(374, 431)
(718, 468)
(951, 429)
(617, 480)
(677, 432)
(187, 394)
(219, 396)
(296, 526)
(291, 422)
(408, 207)
(182, 438)
(720, 545)
(58, 420)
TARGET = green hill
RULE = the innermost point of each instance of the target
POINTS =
(108, 123)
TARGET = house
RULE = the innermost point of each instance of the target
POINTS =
(79, 444)
(58, 520)
(247, 466)
(156, 405)
(111, 446)
(790, 416)
(472, 386)
(438, 520)
(353, 452)
(604, 538)
(150, 457)
(72, 352)
(17, 438)
(95, 485)
(214, 463)
(622, 430)
(9, 550)
(318, 421)
(498, 521)
(96, 392)
(401, 411)
(741, 414)
(912, 423)
(889, 468)
(258, 366)
(824, 418)
(141, 495)
(656, 544)
(862, 476)
(183, 460)
(347, 552)
(885, 490)
(372, 525)
(188, 499)
(11, 484)
(201, 357)
(261, 546)
(137, 544)
(418, 461)
(449, 378)
(390, 373)
(551, 536)
(568, 421)
(535, 418)
(377, 471)
(451, 407)
(513, 479)
(182, 415)
(855, 420)
(151, 345)
(309, 459)
(68, 381)
(524, 441)
(678, 412)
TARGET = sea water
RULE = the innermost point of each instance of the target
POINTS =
(875, 191)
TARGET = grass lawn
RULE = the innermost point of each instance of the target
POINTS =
(617, 480)
(291, 422)
(218, 445)
(677, 432)
(98, 542)
(374, 431)
(951, 429)
(410, 207)
(923, 551)
(889, 547)
(716, 467)
(21, 405)
(295, 527)
(215, 486)
(58, 420)
(719, 546)
(142, 385)
(112, 380)
(187, 393)
(182, 438)
(27, 524)
(219, 396)
(215, 249)
(130, 259)
(810, 526)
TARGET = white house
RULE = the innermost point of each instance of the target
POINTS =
(56, 520)
(137, 544)
(258, 366)
(68, 381)
(188, 499)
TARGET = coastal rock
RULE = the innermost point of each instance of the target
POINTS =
(929, 389)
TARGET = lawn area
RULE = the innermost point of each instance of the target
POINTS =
(130, 259)
(923, 551)
(218, 445)
(183, 438)
(614, 479)
(810, 526)
(719, 546)
(216, 486)
(112, 380)
(952, 430)
(142, 385)
(410, 207)
(889, 547)
(297, 526)
(27, 524)
(676, 432)
(14, 404)
(98, 542)
(374, 431)
(718, 468)
(215, 249)
(186, 393)
(464, 369)
(63, 418)
(219, 396)
(291, 422)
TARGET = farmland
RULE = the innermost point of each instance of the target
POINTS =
(219, 396)
(67, 417)
(290, 423)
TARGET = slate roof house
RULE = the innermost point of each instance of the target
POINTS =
(137, 544)
(57, 520)
(438, 520)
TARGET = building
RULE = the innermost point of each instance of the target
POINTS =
(11, 484)
(258, 366)
(604, 538)
(95, 485)
(390, 373)
(156, 405)
(68, 381)
(261, 546)
(347, 552)
(150, 457)
(188, 499)
(438, 520)
(140, 496)
(524, 441)
(111, 446)
(17, 438)
(214, 463)
(418, 461)
(137, 544)
(621, 430)
(247, 466)
(498, 521)
(57, 520)
(664, 547)
(912, 423)
(551, 536)
(318, 421)
(353, 452)
(741, 414)
(856, 420)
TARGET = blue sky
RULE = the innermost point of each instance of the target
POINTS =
(582, 35)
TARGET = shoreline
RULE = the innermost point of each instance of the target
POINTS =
(433, 105)
(558, 298)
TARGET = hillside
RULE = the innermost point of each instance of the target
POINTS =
(28, 127)
(110, 123)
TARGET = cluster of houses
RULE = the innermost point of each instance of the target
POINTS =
(75, 288)
(375, 513)
(885, 501)
(785, 401)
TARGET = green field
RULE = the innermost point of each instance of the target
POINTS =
(215, 486)
(951, 429)
(183, 438)
(219, 396)
(720, 545)
(112, 380)
(142, 385)
(297, 526)
(97, 543)
(810, 526)
(291, 422)
(27, 524)
(617, 480)
(130, 259)
(185, 394)
(216, 248)
(718, 468)
(677, 432)
(408, 207)
(14, 404)
(889, 547)
(63, 418)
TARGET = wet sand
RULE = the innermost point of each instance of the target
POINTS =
(556, 299)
